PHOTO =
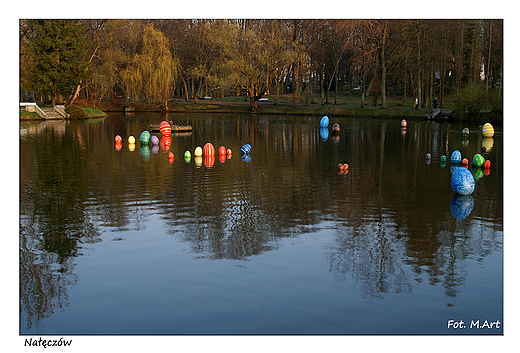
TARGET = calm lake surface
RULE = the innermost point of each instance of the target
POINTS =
(120, 240)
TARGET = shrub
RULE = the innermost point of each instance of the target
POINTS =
(472, 99)
(75, 112)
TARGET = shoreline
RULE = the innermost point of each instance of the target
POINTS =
(268, 108)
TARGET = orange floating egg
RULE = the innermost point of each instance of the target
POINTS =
(345, 166)
(222, 151)
(118, 139)
(229, 153)
(340, 166)
(487, 164)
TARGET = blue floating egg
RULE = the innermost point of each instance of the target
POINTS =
(324, 133)
(462, 181)
(456, 157)
(246, 149)
(461, 206)
(324, 122)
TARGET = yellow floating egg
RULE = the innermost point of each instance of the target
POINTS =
(198, 151)
(487, 130)
(131, 139)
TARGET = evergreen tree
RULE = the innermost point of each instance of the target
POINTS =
(56, 49)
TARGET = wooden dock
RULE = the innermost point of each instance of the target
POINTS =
(175, 128)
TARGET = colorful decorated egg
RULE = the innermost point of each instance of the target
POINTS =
(208, 150)
(155, 140)
(187, 156)
(131, 139)
(428, 155)
(461, 206)
(222, 151)
(324, 122)
(335, 128)
(404, 123)
(246, 149)
(198, 151)
(456, 157)
(465, 131)
(345, 166)
(443, 158)
(478, 160)
(487, 130)
(229, 153)
(118, 139)
(145, 138)
(165, 128)
(462, 181)
(465, 162)
(487, 164)
(340, 166)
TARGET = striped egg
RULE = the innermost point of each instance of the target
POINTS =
(478, 160)
(165, 128)
(246, 149)
(209, 149)
(487, 130)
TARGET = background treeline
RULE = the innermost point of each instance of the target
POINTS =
(308, 60)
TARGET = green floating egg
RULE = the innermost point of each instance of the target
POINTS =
(145, 138)
(478, 160)
(443, 158)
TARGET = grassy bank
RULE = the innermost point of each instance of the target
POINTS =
(85, 113)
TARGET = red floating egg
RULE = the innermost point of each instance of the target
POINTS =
(340, 166)
(171, 156)
(118, 139)
(229, 153)
(208, 150)
(464, 161)
(222, 151)
(487, 163)
(165, 128)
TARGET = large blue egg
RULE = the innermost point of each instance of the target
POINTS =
(462, 181)
(456, 157)
(461, 206)
(324, 122)
(246, 149)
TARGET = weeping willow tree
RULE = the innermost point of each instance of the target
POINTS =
(153, 72)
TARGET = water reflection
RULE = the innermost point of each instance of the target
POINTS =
(389, 217)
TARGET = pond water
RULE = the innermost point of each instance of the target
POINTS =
(121, 240)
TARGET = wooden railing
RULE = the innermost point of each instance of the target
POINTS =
(60, 109)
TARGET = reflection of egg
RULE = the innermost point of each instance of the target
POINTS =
(488, 143)
(487, 130)
(119, 145)
(461, 206)
(131, 147)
